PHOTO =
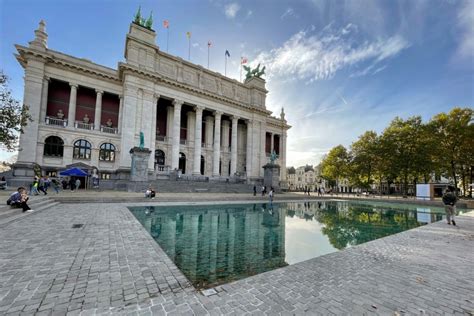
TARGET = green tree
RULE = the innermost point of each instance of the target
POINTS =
(455, 141)
(404, 146)
(13, 116)
(364, 153)
(335, 165)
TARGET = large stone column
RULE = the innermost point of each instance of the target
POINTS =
(217, 143)
(271, 142)
(169, 122)
(98, 109)
(283, 157)
(263, 140)
(119, 126)
(176, 131)
(44, 100)
(248, 153)
(197, 140)
(34, 77)
(151, 163)
(209, 129)
(233, 152)
(71, 117)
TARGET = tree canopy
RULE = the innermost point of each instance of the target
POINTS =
(408, 151)
(13, 116)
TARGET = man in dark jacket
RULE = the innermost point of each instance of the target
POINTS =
(449, 201)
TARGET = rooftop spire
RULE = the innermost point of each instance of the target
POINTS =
(41, 37)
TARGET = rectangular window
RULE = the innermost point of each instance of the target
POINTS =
(105, 176)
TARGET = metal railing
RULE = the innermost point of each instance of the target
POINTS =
(55, 121)
(107, 129)
(161, 138)
(82, 125)
(183, 141)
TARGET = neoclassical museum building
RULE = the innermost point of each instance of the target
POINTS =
(192, 119)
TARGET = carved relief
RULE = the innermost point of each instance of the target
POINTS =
(227, 90)
(190, 77)
(210, 84)
(168, 69)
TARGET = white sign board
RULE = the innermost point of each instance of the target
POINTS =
(423, 192)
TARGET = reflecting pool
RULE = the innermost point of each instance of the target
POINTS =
(215, 244)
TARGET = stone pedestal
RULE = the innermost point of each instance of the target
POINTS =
(271, 176)
(139, 170)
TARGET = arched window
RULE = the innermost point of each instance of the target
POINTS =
(82, 149)
(107, 152)
(53, 146)
(159, 157)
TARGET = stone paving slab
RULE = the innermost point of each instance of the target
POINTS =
(112, 266)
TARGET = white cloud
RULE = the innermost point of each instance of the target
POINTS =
(288, 13)
(321, 56)
(231, 10)
(466, 26)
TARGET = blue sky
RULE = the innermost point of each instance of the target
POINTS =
(338, 68)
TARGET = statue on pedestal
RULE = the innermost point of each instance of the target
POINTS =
(273, 157)
(142, 140)
(109, 123)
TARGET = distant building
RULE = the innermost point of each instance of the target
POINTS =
(305, 177)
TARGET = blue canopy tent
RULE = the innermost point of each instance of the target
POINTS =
(73, 172)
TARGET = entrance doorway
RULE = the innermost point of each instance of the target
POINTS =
(182, 163)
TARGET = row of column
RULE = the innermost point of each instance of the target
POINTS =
(72, 105)
(198, 140)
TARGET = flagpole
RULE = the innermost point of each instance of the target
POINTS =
(189, 48)
(208, 49)
(225, 67)
(240, 69)
(167, 38)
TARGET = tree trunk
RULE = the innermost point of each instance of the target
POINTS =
(453, 172)
(471, 182)
(463, 177)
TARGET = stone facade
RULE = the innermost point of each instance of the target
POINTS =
(88, 114)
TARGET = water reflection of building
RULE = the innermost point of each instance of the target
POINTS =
(214, 246)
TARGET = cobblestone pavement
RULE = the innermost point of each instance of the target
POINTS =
(112, 266)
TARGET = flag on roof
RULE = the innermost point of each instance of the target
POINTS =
(166, 23)
(243, 60)
(227, 53)
(188, 34)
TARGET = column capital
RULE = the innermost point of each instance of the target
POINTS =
(234, 118)
(218, 113)
(156, 96)
(47, 78)
(199, 108)
(177, 102)
(120, 96)
(73, 85)
(99, 91)
(249, 121)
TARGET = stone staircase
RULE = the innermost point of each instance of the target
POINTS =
(36, 203)
(185, 186)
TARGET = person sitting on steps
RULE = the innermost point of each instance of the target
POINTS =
(19, 199)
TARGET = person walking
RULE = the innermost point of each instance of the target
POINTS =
(449, 201)
(270, 195)
(34, 186)
(78, 183)
(41, 186)
(254, 190)
(72, 184)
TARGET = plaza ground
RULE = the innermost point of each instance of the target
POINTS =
(112, 265)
